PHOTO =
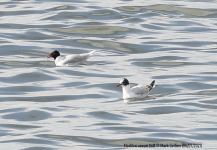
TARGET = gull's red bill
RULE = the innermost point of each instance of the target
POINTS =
(48, 56)
(119, 85)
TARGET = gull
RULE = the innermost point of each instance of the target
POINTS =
(76, 59)
(138, 91)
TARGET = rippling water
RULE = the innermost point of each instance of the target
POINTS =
(47, 107)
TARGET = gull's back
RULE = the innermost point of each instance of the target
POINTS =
(140, 89)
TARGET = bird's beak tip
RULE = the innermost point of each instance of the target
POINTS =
(48, 56)
(119, 85)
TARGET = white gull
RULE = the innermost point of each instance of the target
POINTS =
(138, 91)
(76, 59)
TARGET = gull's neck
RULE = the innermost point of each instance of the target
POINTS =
(126, 91)
(57, 60)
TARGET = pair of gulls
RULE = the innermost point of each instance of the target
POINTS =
(138, 91)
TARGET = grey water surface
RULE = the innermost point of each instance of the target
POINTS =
(79, 107)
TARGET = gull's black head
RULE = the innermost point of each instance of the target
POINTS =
(123, 82)
(54, 54)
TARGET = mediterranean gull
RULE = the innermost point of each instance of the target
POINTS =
(76, 59)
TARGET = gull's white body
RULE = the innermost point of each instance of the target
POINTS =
(76, 59)
(138, 91)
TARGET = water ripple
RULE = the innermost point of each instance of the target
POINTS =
(169, 8)
(33, 115)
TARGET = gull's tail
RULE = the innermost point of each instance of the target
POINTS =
(91, 53)
(151, 86)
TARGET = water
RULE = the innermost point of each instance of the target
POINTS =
(47, 107)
